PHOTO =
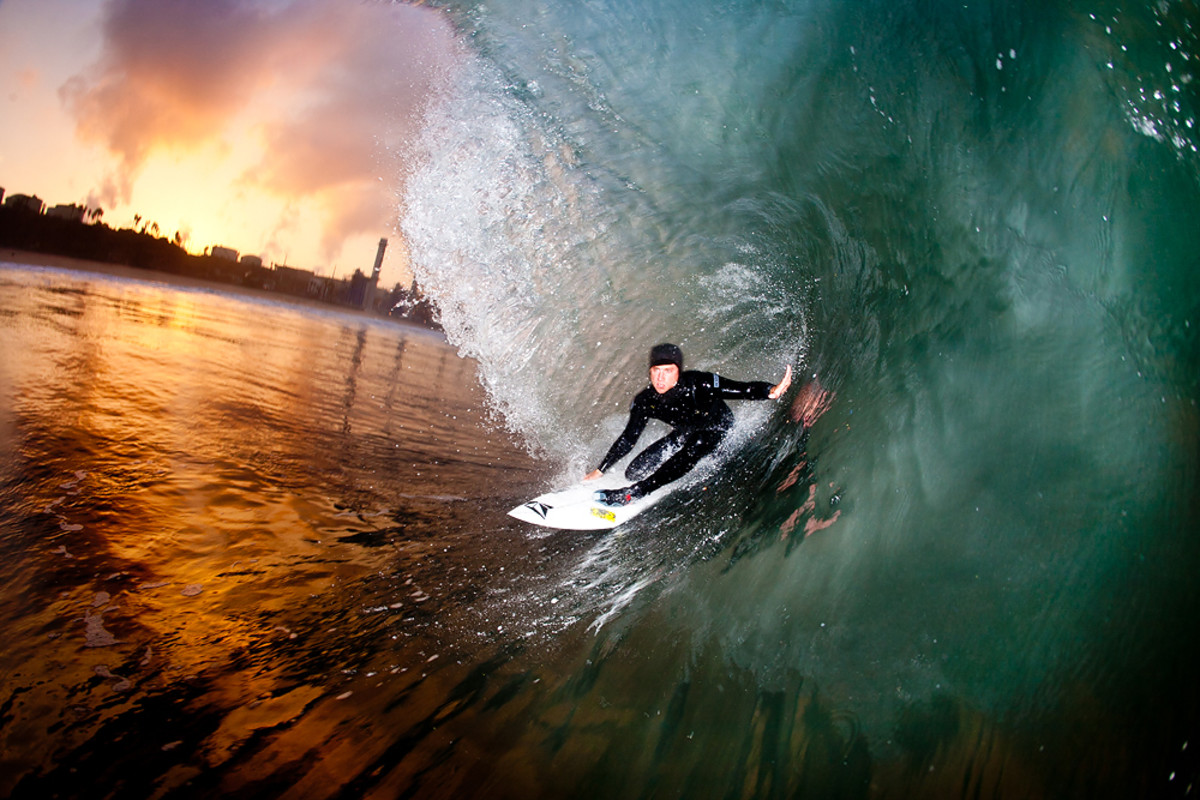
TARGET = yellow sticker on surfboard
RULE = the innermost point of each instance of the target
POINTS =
(604, 513)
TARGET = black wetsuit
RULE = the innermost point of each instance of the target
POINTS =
(695, 408)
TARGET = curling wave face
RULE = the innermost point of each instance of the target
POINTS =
(974, 223)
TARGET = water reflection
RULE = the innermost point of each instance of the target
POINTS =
(223, 518)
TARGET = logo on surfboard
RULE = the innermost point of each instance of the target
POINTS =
(541, 509)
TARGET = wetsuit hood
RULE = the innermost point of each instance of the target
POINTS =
(666, 354)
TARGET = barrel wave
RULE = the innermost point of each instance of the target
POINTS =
(972, 228)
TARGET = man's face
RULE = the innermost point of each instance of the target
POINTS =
(664, 377)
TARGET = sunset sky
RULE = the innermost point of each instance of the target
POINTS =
(275, 127)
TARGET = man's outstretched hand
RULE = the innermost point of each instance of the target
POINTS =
(778, 389)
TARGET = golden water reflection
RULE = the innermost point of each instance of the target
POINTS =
(202, 497)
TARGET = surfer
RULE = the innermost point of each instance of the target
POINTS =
(693, 404)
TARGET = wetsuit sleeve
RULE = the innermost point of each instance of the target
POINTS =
(741, 390)
(628, 438)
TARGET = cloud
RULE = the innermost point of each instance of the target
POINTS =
(332, 88)
(171, 73)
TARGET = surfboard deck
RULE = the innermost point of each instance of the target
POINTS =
(575, 509)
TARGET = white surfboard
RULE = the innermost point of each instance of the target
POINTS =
(576, 509)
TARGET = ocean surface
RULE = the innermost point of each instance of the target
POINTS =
(259, 550)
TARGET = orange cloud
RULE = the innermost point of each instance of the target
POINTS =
(329, 87)
(171, 74)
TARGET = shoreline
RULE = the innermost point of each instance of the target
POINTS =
(31, 258)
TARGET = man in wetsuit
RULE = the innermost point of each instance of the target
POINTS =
(693, 404)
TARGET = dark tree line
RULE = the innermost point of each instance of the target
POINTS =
(24, 229)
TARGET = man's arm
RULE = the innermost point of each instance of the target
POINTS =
(625, 442)
(752, 390)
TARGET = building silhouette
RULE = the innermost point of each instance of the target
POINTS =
(76, 232)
